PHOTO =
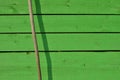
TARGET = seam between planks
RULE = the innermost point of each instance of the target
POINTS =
(58, 14)
(60, 32)
(61, 51)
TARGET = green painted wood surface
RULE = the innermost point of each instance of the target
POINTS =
(61, 42)
(60, 65)
(61, 23)
(61, 7)
(16, 66)
(64, 66)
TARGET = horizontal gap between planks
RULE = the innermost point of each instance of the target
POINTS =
(55, 14)
(62, 51)
(60, 32)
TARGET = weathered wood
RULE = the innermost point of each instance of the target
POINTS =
(61, 23)
(100, 66)
(61, 42)
(61, 7)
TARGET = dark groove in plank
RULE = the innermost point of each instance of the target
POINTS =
(60, 32)
(56, 14)
(77, 14)
(62, 51)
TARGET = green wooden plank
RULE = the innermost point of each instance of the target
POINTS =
(68, 66)
(61, 23)
(61, 7)
(61, 42)
(17, 66)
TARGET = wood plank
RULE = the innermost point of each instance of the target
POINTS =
(61, 42)
(17, 66)
(71, 66)
(61, 7)
(61, 23)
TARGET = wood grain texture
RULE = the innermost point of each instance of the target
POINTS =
(61, 42)
(61, 23)
(17, 66)
(61, 7)
(60, 65)
(68, 66)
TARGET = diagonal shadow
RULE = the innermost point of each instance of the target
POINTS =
(44, 39)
